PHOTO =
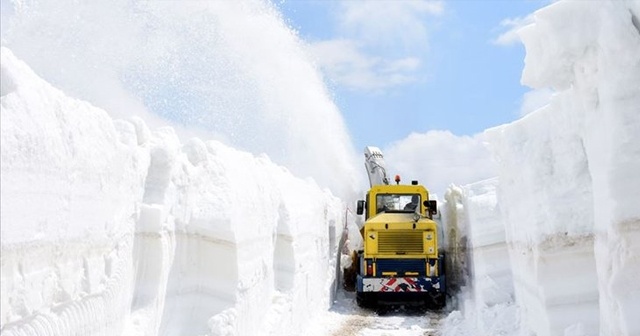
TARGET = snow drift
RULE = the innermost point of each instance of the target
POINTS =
(568, 182)
(111, 228)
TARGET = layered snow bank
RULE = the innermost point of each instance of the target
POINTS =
(110, 228)
(568, 186)
(68, 199)
(479, 266)
(569, 176)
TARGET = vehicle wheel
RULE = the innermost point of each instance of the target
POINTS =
(364, 300)
(438, 301)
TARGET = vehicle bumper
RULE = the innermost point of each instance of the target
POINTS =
(400, 284)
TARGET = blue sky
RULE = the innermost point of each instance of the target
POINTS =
(419, 79)
(397, 67)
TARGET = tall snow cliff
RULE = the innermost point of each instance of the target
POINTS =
(568, 182)
(110, 228)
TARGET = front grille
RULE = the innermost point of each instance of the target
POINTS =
(400, 242)
(400, 266)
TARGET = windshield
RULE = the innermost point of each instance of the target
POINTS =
(397, 202)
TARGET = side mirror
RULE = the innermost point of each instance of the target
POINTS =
(360, 207)
(433, 207)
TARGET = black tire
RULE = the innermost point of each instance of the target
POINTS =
(438, 301)
(365, 300)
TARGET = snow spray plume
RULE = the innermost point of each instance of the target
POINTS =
(232, 71)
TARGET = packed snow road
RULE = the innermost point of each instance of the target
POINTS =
(345, 318)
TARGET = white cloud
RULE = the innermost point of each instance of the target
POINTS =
(439, 158)
(387, 22)
(378, 44)
(512, 25)
(404, 64)
(345, 63)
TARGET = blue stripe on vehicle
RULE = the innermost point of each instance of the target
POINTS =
(400, 266)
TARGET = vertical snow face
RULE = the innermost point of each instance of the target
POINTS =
(246, 241)
(109, 228)
(546, 199)
(69, 192)
(569, 172)
(479, 261)
(491, 268)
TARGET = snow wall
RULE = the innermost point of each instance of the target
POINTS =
(566, 206)
(110, 228)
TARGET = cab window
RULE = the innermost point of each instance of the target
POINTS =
(397, 202)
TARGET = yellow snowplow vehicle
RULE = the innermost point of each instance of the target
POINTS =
(400, 262)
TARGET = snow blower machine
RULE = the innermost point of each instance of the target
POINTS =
(400, 262)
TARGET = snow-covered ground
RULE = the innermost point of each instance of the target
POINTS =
(113, 227)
